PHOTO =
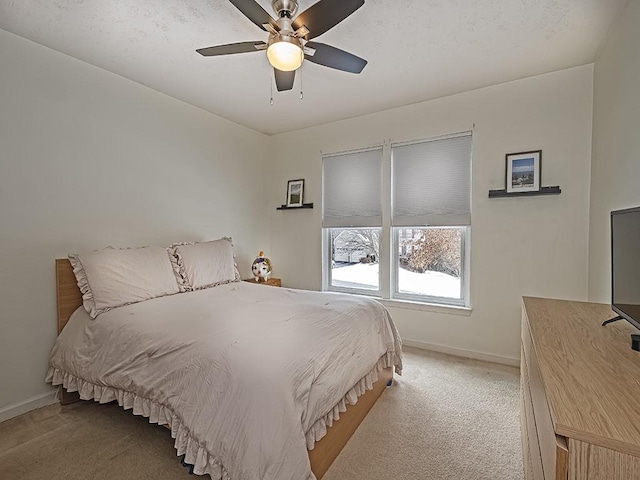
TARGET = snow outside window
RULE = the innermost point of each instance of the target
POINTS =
(354, 258)
(429, 264)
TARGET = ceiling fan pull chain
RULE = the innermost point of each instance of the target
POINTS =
(301, 93)
(271, 85)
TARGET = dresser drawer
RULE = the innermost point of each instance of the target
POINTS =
(553, 448)
(532, 461)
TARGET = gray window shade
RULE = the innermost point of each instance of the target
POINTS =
(432, 182)
(351, 194)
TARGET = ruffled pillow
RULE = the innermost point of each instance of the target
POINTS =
(205, 264)
(111, 277)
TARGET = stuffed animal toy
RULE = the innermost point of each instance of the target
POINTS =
(261, 268)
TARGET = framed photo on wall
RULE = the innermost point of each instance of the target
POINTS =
(524, 171)
(295, 192)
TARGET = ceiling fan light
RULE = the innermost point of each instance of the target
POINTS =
(285, 55)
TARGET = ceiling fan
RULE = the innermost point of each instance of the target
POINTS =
(289, 38)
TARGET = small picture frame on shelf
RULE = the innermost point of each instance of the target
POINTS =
(295, 193)
(523, 171)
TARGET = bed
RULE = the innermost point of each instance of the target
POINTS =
(320, 432)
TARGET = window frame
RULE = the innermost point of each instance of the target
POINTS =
(430, 299)
(327, 265)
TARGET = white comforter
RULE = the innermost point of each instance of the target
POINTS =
(248, 377)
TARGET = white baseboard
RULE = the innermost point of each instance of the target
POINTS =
(32, 403)
(460, 352)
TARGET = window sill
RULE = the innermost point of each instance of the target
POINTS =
(410, 305)
(426, 307)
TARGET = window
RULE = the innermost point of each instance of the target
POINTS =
(352, 218)
(396, 220)
(429, 264)
(354, 259)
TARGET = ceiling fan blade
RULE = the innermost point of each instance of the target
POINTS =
(231, 48)
(324, 15)
(254, 12)
(333, 57)
(284, 80)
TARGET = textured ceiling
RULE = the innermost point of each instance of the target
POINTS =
(417, 50)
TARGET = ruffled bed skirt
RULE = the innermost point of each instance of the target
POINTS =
(194, 454)
(319, 429)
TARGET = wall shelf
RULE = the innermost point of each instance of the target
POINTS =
(304, 205)
(555, 190)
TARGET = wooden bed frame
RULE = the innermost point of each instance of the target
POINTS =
(325, 451)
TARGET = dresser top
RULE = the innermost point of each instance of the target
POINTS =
(591, 376)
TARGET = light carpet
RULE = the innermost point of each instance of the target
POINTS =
(445, 418)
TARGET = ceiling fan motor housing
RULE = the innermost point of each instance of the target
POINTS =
(285, 38)
(285, 8)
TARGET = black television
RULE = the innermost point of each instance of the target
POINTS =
(625, 265)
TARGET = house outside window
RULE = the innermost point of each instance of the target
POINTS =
(397, 221)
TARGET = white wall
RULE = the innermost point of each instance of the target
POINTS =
(90, 159)
(615, 169)
(520, 246)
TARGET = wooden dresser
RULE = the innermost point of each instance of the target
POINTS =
(580, 396)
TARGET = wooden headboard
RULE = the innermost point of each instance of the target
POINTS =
(67, 291)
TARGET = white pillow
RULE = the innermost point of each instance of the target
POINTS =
(111, 277)
(206, 264)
